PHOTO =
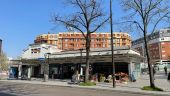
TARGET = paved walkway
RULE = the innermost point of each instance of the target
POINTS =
(160, 81)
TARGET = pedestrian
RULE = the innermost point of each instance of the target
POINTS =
(168, 77)
(154, 71)
(52, 74)
(165, 69)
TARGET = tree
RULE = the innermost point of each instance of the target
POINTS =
(88, 18)
(146, 15)
(3, 62)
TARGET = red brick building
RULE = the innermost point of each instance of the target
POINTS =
(159, 46)
(75, 40)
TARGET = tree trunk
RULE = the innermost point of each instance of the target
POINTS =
(148, 61)
(87, 58)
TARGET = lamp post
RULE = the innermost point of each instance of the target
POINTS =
(111, 29)
(46, 66)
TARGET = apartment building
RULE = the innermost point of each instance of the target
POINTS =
(75, 40)
(158, 44)
(46, 38)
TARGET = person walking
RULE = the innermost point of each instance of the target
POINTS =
(165, 69)
(168, 77)
(154, 71)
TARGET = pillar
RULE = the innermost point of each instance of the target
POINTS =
(19, 70)
(29, 71)
(130, 67)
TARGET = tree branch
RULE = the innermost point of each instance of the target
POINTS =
(101, 24)
(157, 22)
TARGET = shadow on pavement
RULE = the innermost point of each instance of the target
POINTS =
(6, 94)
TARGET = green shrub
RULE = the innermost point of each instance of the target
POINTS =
(148, 88)
(87, 84)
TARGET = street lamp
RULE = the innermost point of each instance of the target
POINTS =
(46, 66)
(111, 29)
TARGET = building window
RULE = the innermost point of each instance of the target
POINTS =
(72, 45)
(118, 40)
(114, 40)
(92, 45)
(163, 55)
(163, 51)
(66, 40)
(123, 44)
(66, 45)
(71, 40)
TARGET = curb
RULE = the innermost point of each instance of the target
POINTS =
(93, 88)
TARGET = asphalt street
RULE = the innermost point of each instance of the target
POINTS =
(20, 89)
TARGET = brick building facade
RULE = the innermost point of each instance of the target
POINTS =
(158, 44)
(46, 38)
(75, 40)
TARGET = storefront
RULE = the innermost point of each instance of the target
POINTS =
(62, 65)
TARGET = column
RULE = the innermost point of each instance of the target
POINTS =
(29, 72)
(130, 67)
(131, 74)
(19, 70)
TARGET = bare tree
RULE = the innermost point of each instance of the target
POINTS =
(88, 19)
(146, 15)
(3, 62)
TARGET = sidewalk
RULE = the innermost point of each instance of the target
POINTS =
(132, 87)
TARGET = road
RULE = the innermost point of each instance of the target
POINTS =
(20, 89)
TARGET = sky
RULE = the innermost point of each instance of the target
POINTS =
(22, 20)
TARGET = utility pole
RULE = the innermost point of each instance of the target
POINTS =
(111, 29)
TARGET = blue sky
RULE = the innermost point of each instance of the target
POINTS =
(22, 20)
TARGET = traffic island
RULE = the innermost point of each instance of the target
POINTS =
(149, 88)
